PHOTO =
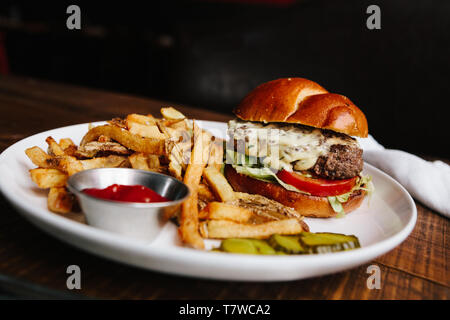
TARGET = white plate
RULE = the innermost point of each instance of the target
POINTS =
(380, 225)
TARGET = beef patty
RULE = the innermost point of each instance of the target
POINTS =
(342, 162)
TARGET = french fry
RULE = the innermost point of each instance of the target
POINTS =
(180, 125)
(59, 200)
(148, 131)
(141, 119)
(53, 147)
(67, 164)
(111, 161)
(68, 146)
(127, 139)
(39, 157)
(171, 113)
(141, 161)
(204, 193)
(188, 230)
(48, 178)
(222, 211)
(66, 143)
(71, 165)
(178, 144)
(265, 209)
(216, 157)
(171, 123)
(222, 229)
(175, 168)
(219, 184)
(153, 162)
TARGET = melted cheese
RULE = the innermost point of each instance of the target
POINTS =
(285, 146)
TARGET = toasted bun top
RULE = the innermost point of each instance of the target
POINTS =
(302, 101)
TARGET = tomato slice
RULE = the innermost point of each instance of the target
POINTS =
(317, 187)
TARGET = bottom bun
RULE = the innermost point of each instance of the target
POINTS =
(306, 205)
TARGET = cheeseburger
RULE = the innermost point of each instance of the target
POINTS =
(292, 142)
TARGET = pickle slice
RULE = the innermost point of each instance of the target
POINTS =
(286, 244)
(263, 247)
(324, 242)
(244, 246)
(303, 243)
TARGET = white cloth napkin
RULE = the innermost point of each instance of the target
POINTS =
(427, 181)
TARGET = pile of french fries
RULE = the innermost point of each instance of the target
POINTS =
(171, 145)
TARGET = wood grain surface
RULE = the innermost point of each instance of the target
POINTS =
(417, 269)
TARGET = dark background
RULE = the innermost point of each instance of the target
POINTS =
(209, 54)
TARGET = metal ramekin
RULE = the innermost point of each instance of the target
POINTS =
(141, 221)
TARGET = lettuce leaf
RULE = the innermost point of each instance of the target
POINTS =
(336, 202)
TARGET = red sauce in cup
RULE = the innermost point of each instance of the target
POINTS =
(136, 193)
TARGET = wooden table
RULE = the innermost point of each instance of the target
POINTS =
(417, 269)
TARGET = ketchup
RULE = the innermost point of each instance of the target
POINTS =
(118, 192)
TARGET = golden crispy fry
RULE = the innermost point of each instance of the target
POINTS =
(219, 184)
(174, 132)
(175, 168)
(68, 146)
(222, 211)
(48, 178)
(264, 209)
(67, 164)
(222, 229)
(59, 200)
(204, 193)
(153, 162)
(188, 229)
(39, 157)
(53, 147)
(178, 145)
(139, 161)
(216, 157)
(71, 165)
(127, 139)
(171, 122)
(141, 119)
(180, 125)
(171, 113)
(66, 143)
(111, 161)
(148, 131)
